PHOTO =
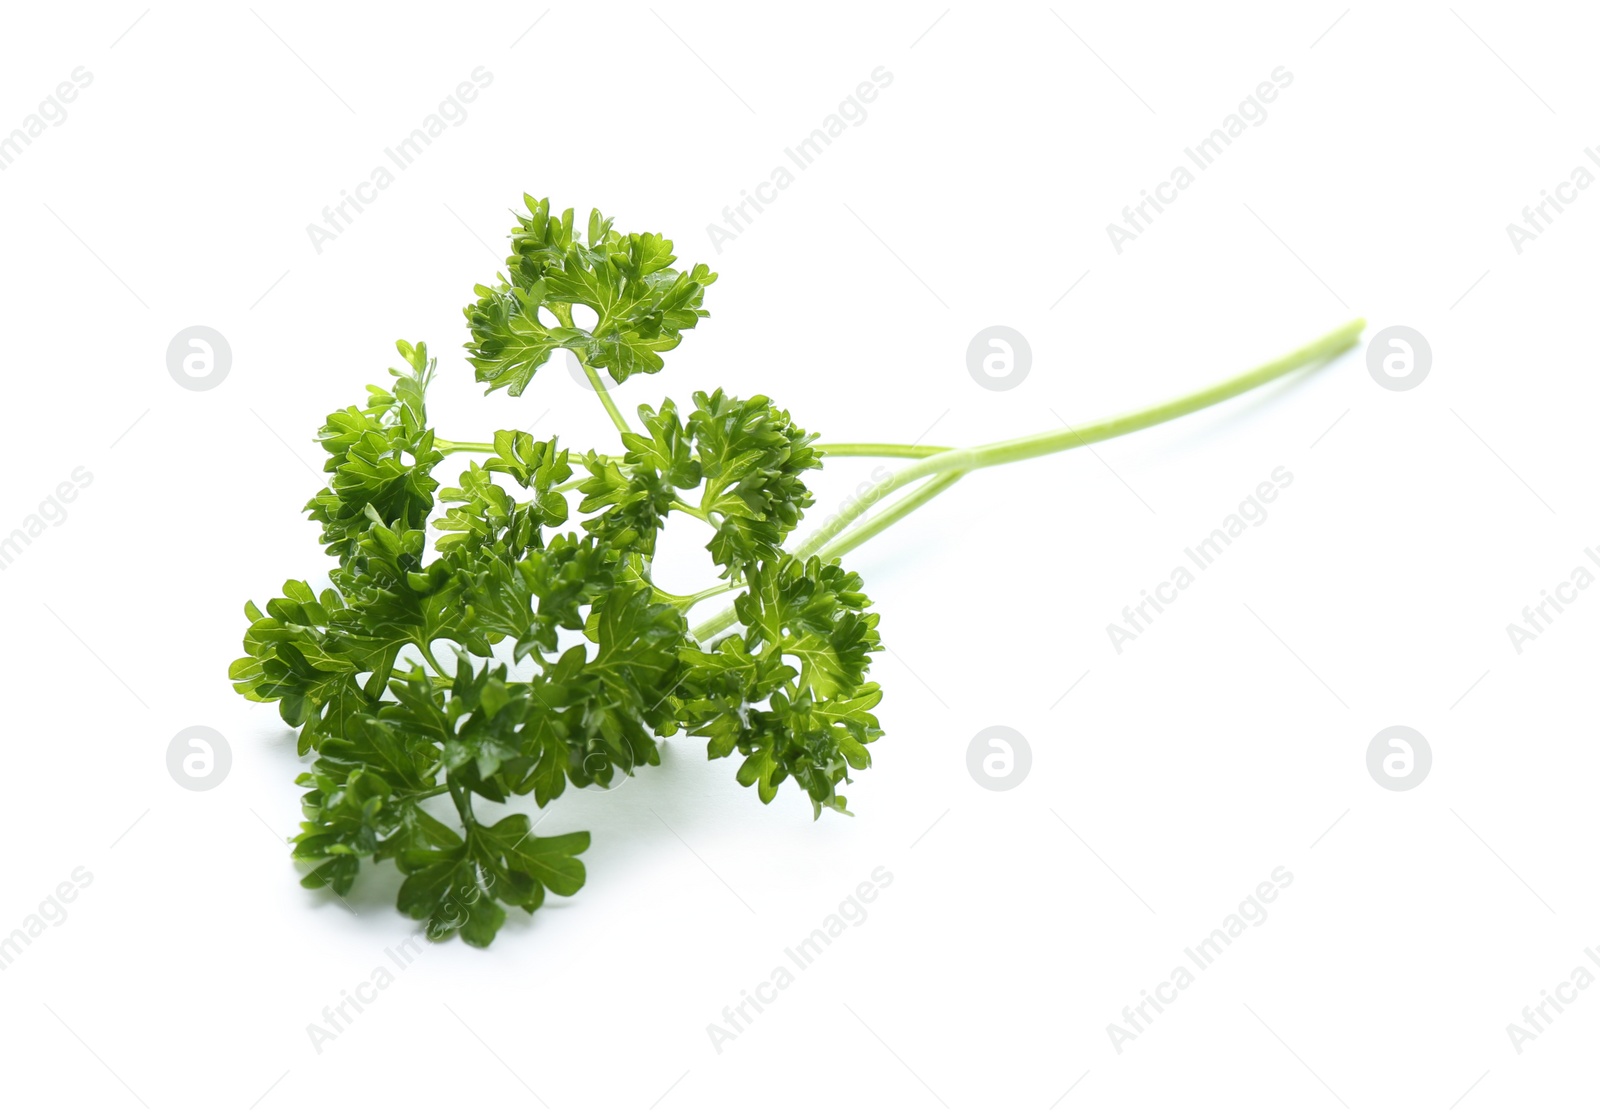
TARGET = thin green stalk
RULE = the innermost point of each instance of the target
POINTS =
(948, 466)
(563, 314)
(462, 797)
(857, 536)
(714, 624)
(967, 459)
(452, 447)
(605, 398)
(878, 450)
(684, 601)
(908, 504)
(427, 655)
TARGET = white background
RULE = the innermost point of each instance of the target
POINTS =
(1226, 741)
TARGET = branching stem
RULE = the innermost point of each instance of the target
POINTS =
(948, 466)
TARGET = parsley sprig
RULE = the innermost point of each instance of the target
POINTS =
(502, 637)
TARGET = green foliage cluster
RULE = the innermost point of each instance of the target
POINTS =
(485, 640)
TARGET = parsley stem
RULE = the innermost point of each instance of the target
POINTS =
(852, 539)
(427, 655)
(879, 450)
(463, 802)
(882, 519)
(563, 314)
(684, 601)
(692, 511)
(605, 398)
(451, 447)
(964, 459)
(946, 467)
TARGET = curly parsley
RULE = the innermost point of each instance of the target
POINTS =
(398, 675)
